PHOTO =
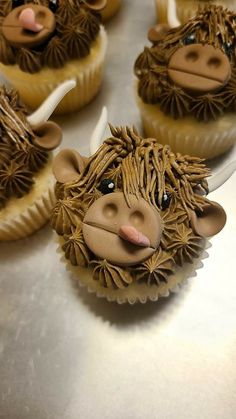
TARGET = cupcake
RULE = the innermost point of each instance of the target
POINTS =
(133, 219)
(45, 42)
(186, 84)
(111, 9)
(26, 180)
(187, 8)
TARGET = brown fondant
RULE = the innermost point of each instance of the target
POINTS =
(210, 221)
(96, 4)
(106, 217)
(156, 33)
(19, 36)
(68, 165)
(48, 136)
(201, 68)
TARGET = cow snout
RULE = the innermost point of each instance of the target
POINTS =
(123, 233)
(200, 68)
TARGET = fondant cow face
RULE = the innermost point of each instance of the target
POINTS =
(134, 209)
(191, 69)
(47, 32)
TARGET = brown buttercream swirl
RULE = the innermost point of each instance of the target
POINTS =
(31, 157)
(110, 276)
(157, 268)
(213, 25)
(16, 180)
(29, 61)
(66, 215)
(3, 197)
(185, 244)
(76, 29)
(75, 248)
(5, 153)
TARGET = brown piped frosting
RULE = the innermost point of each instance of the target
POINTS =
(163, 68)
(76, 28)
(20, 160)
(104, 215)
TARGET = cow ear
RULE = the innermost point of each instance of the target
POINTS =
(96, 4)
(48, 136)
(68, 165)
(158, 32)
(210, 221)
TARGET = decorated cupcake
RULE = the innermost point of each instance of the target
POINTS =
(133, 219)
(26, 181)
(44, 42)
(186, 89)
(187, 8)
(111, 9)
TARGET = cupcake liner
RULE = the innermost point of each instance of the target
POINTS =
(26, 220)
(111, 9)
(35, 88)
(187, 135)
(136, 292)
(187, 8)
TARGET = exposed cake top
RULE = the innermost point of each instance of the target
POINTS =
(134, 210)
(40, 33)
(22, 152)
(190, 70)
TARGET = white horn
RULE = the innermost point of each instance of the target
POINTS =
(172, 18)
(98, 132)
(44, 112)
(218, 179)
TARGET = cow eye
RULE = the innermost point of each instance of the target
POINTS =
(166, 200)
(228, 48)
(17, 3)
(190, 39)
(53, 5)
(106, 186)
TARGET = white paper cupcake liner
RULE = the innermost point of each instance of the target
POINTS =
(31, 219)
(137, 292)
(187, 135)
(35, 88)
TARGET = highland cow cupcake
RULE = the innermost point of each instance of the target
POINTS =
(111, 9)
(26, 181)
(186, 88)
(44, 42)
(133, 218)
(187, 8)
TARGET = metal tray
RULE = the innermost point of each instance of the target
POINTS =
(65, 354)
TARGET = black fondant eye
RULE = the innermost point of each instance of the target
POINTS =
(190, 39)
(228, 48)
(166, 200)
(17, 3)
(106, 186)
(53, 5)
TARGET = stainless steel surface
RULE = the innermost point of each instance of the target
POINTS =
(64, 354)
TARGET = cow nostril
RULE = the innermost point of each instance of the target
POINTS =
(214, 62)
(110, 211)
(192, 56)
(137, 218)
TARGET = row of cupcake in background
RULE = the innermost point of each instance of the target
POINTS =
(134, 262)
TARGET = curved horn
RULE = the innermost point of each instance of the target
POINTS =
(48, 106)
(218, 179)
(96, 137)
(172, 18)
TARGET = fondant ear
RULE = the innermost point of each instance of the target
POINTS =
(68, 165)
(48, 136)
(157, 32)
(96, 4)
(210, 221)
